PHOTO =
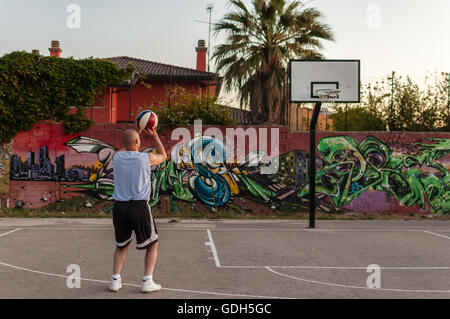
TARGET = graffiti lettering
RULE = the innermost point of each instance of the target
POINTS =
(352, 169)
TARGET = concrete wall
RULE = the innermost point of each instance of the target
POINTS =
(379, 172)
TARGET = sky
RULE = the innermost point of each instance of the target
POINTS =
(410, 37)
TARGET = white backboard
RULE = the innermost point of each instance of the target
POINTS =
(306, 77)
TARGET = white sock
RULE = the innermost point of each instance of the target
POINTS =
(147, 278)
(116, 277)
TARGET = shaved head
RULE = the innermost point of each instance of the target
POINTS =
(131, 139)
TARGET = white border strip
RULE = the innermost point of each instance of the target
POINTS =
(125, 243)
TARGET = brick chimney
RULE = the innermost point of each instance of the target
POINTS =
(201, 55)
(55, 50)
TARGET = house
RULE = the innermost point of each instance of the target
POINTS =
(150, 84)
(299, 119)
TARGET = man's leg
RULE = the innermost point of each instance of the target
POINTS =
(150, 259)
(119, 259)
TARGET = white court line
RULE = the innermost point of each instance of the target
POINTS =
(12, 231)
(132, 285)
(335, 268)
(213, 248)
(250, 229)
(354, 287)
(336, 230)
(439, 235)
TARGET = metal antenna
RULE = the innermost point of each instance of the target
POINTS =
(209, 9)
(391, 111)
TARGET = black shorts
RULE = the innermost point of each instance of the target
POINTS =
(134, 216)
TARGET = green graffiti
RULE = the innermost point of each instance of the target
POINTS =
(167, 179)
(256, 189)
(101, 190)
(351, 169)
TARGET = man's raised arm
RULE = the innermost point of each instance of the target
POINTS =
(161, 156)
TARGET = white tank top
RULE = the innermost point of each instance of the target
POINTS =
(132, 176)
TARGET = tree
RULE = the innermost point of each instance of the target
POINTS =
(356, 118)
(412, 108)
(35, 88)
(261, 41)
(440, 95)
(417, 108)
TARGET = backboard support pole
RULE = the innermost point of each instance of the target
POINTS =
(312, 165)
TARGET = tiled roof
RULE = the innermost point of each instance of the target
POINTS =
(160, 71)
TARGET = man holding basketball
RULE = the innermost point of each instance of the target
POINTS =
(132, 180)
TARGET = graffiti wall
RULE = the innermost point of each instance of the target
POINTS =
(353, 168)
(357, 172)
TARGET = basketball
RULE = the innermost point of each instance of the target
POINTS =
(146, 120)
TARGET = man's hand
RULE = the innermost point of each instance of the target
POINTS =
(152, 132)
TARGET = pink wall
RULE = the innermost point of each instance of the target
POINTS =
(424, 191)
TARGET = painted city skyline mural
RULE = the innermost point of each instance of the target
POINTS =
(38, 166)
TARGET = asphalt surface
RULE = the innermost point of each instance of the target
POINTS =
(230, 259)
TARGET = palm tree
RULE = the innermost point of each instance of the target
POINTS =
(260, 42)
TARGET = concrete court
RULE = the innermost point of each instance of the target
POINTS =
(230, 259)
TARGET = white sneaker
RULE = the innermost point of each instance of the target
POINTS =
(115, 285)
(150, 286)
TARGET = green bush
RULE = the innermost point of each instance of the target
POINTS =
(34, 88)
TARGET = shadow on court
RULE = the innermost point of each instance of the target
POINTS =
(231, 259)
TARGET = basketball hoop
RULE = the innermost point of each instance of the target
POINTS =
(320, 82)
(328, 96)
